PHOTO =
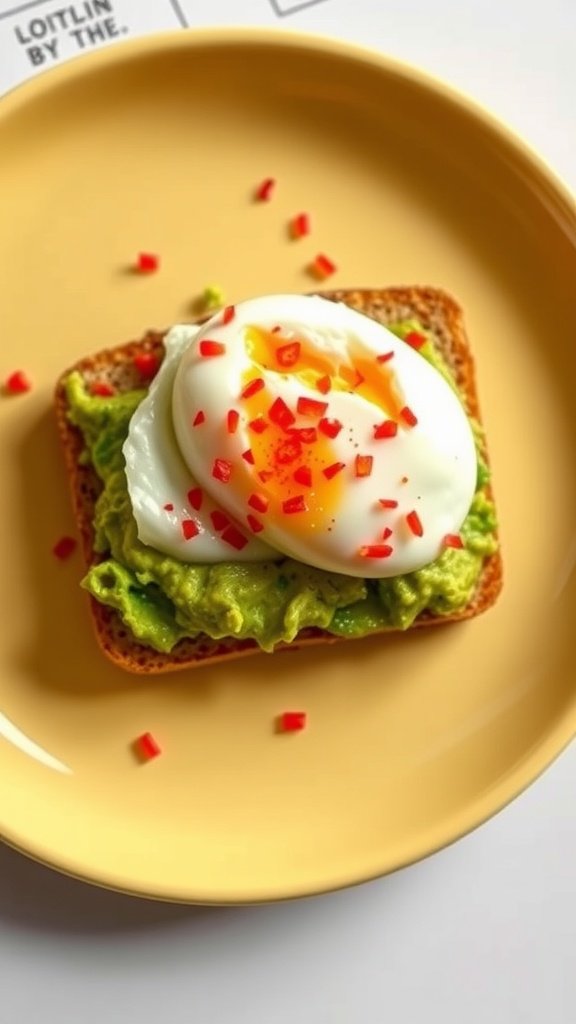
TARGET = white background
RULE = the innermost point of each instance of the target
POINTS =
(483, 933)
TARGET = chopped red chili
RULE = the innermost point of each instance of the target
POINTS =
(292, 721)
(331, 471)
(388, 502)
(387, 532)
(288, 355)
(17, 383)
(211, 348)
(281, 415)
(147, 262)
(265, 475)
(169, 507)
(234, 538)
(352, 376)
(189, 529)
(389, 428)
(248, 456)
(147, 364)
(195, 498)
(331, 428)
(303, 475)
(311, 407)
(222, 470)
(198, 419)
(253, 387)
(300, 225)
(385, 357)
(219, 519)
(259, 502)
(265, 189)
(305, 435)
(255, 525)
(64, 547)
(228, 314)
(415, 339)
(363, 465)
(452, 540)
(375, 551)
(258, 425)
(146, 747)
(324, 384)
(101, 389)
(295, 504)
(408, 416)
(288, 451)
(232, 421)
(323, 266)
(414, 523)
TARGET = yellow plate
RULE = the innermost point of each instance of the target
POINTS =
(157, 145)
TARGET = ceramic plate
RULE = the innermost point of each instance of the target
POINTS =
(412, 740)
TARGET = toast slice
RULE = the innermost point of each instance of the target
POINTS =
(436, 311)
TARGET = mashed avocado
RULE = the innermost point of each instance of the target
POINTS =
(161, 600)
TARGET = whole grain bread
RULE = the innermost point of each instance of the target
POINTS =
(436, 311)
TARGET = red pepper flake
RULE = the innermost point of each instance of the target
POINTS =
(385, 357)
(331, 428)
(234, 538)
(389, 428)
(304, 435)
(198, 419)
(303, 475)
(219, 519)
(222, 470)
(101, 389)
(248, 456)
(415, 340)
(324, 384)
(265, 190)
(146, 747)
(265, 475)
(387, 532)
(452, 540)
(147, 364)
(363, 465)
(287, 355)
(64, 547)
(258, 425)
(300, 225)
(147, 262)
(17, 383)
(253, 387)
(259, 502)
(255, 525)
(375, 551)
(281, 415)
(414, 523)
(322, 267)
(228, 314)
(292, 721)
(232, 421)
(211, 348)
(388, 502)
(168, 507)
(195, 498)
(408, 416)
(295, 504)
(189, 529)
(331, 471)
(288, 451)
(311, 407)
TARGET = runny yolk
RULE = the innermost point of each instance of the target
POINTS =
(278, 453)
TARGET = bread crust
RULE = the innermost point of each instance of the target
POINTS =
(432, 307)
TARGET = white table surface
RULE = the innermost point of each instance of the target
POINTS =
(482, 933)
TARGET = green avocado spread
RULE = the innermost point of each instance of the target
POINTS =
(162, 600)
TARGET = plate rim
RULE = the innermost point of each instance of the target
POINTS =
(561, 203)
